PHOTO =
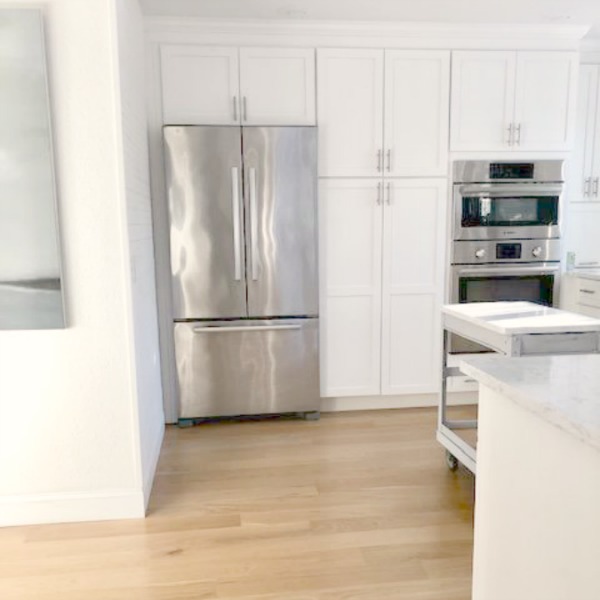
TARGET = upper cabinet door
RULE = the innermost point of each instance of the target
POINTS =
(417, 99)
(581, 166)
(595, 128)
(200, 85)
(482, 100)
(545, 103)
(350, 112)
(277, 86)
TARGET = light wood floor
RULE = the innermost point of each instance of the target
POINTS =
(357, 506)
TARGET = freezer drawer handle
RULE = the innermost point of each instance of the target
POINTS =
(253, 224)
(235, 202)
(251, 328)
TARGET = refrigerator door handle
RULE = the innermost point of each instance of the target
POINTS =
(253, 223)
(253, 328)
(235, 202)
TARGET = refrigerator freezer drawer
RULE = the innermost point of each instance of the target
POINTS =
(227, 368)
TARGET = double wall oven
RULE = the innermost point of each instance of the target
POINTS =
(506, 233)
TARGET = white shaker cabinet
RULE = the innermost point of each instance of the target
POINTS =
(584, 171)
(383, 112)
(206, 85)
(412, 284)
(513, 101)
(350, 112)
(417, 88)
(350, 245)
(277, 86)
(382, 265)
(200, 85)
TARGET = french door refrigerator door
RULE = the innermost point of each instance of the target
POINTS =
(204, 184)
(247, 367)
(280, 181)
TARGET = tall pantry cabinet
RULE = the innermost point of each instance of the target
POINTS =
(383, 138)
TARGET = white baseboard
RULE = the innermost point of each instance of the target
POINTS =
(67, 508)
(385, 402)
(152, 464)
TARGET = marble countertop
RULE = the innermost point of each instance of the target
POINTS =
(514, 318)
(563, 390)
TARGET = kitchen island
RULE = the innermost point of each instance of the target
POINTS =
(537, 515)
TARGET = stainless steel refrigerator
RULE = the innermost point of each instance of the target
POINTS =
(243, 229)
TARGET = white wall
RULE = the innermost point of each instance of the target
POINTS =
(69, 420)
(131, 60)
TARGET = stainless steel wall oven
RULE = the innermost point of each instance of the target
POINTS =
(506, 234)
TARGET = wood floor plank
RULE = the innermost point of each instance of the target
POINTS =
(356, 506)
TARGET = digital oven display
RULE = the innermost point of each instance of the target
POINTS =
(511, 170)
(504, 251)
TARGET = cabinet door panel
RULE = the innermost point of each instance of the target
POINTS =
(350, 223)
(581, 169)
(545, 100)
(413, 276)
(583, 234)
(199, 85)
(417, 102)
(350, 112)
(277, 86)
(482, 103)
(595, 132)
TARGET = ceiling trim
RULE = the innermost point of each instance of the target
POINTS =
(366, 34)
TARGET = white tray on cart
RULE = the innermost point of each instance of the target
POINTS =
(510, 329)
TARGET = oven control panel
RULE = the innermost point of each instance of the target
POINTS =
(522, 251)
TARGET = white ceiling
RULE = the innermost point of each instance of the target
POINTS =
(573, 12)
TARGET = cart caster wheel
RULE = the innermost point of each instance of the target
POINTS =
(451, 461)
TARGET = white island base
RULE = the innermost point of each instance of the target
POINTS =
(537, 510)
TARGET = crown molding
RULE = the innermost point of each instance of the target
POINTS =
(364, 34)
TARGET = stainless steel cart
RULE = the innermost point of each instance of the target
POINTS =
(510, 329)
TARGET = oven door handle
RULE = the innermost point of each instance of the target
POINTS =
(508, 190)
(501, 270)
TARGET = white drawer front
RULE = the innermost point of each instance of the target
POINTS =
(588, 292)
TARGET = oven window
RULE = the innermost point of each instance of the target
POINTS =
(484, 211)
(532, 288)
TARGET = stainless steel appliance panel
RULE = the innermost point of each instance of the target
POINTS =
(204, 185)
(228, 368)
(281, 220)
(506, 171)
(505, 251)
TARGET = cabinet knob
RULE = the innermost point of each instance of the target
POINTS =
(537, 251)
(480, 253)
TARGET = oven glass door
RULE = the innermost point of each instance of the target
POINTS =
(507, 211)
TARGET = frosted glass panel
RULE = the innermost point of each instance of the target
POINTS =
(30, 279)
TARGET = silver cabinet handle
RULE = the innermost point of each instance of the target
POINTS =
(586, 186)
(253, 223)
(518, 130)
(389, 161)
(588, 263)
(596, 186)
(510, 134)
(379, 156)
(235, 108)
(250, 328)
(245, 107)
(586, 291)
(379, 194)
(235, 207)
(389, 193)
